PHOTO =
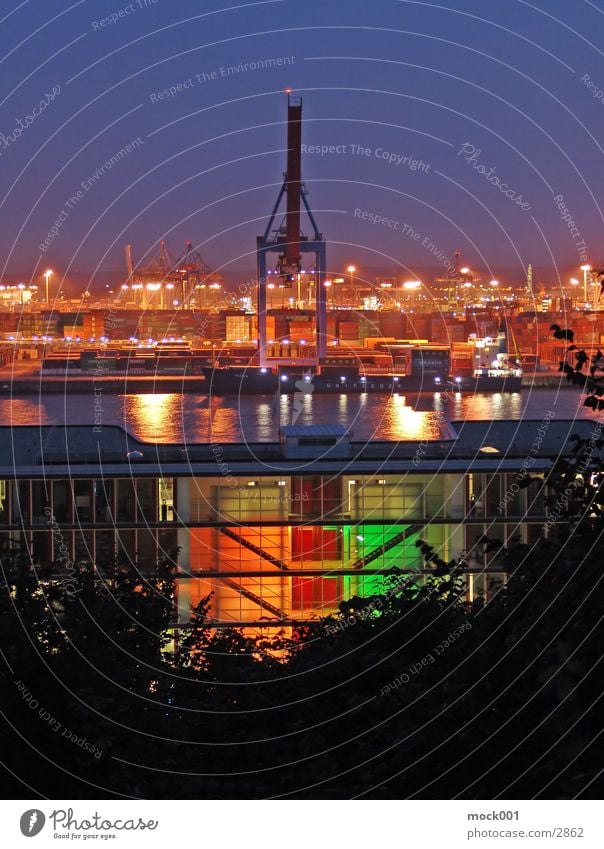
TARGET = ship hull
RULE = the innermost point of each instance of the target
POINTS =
(239, 381)
(512, 383)
(488, 383)
(226, 381)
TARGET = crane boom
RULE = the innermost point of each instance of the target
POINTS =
(294, 182)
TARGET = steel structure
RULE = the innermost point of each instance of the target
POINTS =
(188, 272)
(288, 241)
(194, 271)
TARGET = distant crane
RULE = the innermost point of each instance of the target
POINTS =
(185, 274)
(164, 260)
(195, 273)
(157, 270)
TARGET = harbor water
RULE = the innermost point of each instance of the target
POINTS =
(190, 418)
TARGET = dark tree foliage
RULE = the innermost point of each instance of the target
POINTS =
(582, 370)
(413, 693)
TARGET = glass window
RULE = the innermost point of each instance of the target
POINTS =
(82, 501)
(103, 501)
(40, 498)
(168, 545)
(476, 501)
(4, 503)
(535, 497)
(316, 496)
(84, 547)
(61, 501)
(105, 549)
(146, 550)
(166, 499)
(22, 512)
(126, 500)
(254, 499)
(474, 534)
(513, 499)
(145, 497)
(42, 549)
(435, 499)
(493, 495)
(126, 543)
(316, 593)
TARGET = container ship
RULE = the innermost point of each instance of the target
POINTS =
(425, 368)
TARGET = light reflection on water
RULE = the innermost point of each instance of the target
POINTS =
(27, 411)
(154, 418)
(194, 418)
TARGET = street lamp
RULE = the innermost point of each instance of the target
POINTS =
(47, 275)
(585, 269)
(351, 270)
(464, 276)
(467, 294)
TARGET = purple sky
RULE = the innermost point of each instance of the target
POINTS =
(466, 125)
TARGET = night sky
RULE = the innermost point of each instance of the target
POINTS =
(497, 106)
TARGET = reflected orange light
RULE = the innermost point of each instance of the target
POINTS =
(154, 417)
(411, 424)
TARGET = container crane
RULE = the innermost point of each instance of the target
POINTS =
(288, 241)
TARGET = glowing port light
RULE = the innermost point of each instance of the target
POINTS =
(412, 284)
(585, 269)
(47, 275)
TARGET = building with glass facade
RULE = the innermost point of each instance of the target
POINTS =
(279, 533)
